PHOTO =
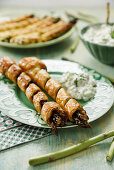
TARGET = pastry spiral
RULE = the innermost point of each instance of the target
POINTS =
(74, 110)
(51, 112)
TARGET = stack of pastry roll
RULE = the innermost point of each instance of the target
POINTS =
(42, 34)
(38, 73)
(31, 29)
(21, 24)
(31, 34)
(51, 112)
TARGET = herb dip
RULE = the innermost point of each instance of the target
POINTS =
(100, 34)
(79, 86)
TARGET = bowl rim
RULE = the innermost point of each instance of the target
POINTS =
(92, 25)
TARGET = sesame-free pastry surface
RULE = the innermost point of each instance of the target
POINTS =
(33, 31)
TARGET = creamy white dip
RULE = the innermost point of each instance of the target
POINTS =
(100, 34)
(79, 86)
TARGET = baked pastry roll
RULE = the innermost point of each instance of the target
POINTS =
(16, 25)
(52, 87)
(31, 90)
(52, 27)
(23, 81)
(55, 32)
(53, 115)
(5, 63)
(39, 99)
(76, 113)
(74, 110)
(51, 112)
(41, 78)
(28, 34)
(13, 72)
(35, 68)
(62, 97)
(28, 38)
(29, 63)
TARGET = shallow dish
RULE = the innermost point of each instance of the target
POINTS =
(103, 53)
(40, 13)
(14, 103)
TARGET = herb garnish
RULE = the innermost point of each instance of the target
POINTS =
(76, 82)
(112, 34)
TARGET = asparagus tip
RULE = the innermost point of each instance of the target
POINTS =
(54, 129)
(108, 159)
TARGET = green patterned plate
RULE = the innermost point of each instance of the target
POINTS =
(14, 103)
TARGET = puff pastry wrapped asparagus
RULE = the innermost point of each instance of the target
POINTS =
(42, 35)
(8, 35)
(51, 112)
(16, 25)
(74, 110)
(31, 29)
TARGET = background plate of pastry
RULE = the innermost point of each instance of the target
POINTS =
(39, 29)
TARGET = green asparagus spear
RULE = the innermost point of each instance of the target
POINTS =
(91, 17)
(112, 34)
(76, 43)
(110, 154)
(70, 150)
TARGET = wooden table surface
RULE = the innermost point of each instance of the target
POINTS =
(93, 158)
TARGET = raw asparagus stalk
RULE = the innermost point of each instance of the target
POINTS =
(70, 150)
(91, 17)
(76, 43)
(112, 34)
(86, 20)
(110, 154)
(81, 18)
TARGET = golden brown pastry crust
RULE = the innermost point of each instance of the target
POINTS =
(62, 97)
(23, 80)
(28, 38)
(49, 108)
(5, 63)
(71, 107)
(30, 29)
(55, 32)
(28, 63)
(19, 35)
(38, 100)
(51, 112)
(32, 72)
(75, 111)
(41, 78)
(31, 90)
(52, 87)
(13, 72)
(17, 25)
